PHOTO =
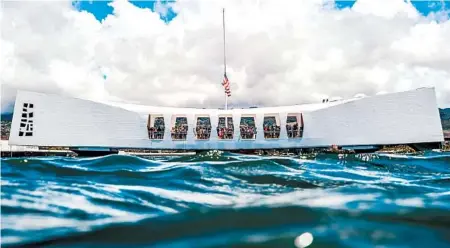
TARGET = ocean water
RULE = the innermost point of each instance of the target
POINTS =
(226, 200)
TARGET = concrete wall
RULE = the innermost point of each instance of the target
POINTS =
(399, 118)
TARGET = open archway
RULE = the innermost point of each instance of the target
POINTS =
(155, 127)
(225, 127)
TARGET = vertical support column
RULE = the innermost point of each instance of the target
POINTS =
(214, 123)
(151, 120)
(302, 121)
(283, 132)
(167, 128)
(259, 122)
(190, 138)
(236, 123)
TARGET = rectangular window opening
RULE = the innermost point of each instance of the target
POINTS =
(248, 127)
(225, 128)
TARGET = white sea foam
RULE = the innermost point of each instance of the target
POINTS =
(8, 183)
(180, 195)
(439, 194)
(32, 222)
(410, 202)
(46, 199)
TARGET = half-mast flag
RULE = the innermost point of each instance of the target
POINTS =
(225, 80)
(226, 85)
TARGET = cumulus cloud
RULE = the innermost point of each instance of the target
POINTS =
(278, 53)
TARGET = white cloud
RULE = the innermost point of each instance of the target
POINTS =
(278, 52)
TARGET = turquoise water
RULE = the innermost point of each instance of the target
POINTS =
(226, 200)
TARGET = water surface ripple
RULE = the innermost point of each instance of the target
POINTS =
(226, 200)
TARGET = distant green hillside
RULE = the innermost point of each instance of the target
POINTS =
(7, 117)
(445, 113)
(445, 118)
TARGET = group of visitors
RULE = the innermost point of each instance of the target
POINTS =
(179, 132)
(271, 131)
(225, 129)
(224, 132)
(156, 132)
(293, 131)
(248, 132)
(203, 132)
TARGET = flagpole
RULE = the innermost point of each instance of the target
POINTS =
(226, 101)
(224, 56)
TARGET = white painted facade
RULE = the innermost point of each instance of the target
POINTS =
(6, 147)
(397, 118)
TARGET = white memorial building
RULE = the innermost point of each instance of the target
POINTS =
(409, 117)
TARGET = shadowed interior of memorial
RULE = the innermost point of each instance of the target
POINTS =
(225, 127)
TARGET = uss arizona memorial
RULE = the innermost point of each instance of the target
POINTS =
(409, 117)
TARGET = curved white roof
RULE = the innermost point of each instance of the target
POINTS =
(143, 109)
(336, 98)
(360, 95)
(381, 93)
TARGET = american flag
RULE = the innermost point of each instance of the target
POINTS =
(226, 85)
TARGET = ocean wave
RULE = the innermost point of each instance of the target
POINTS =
(221, 199)
(275, 227)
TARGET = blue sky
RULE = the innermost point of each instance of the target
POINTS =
(101, 9)
(424, 7)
